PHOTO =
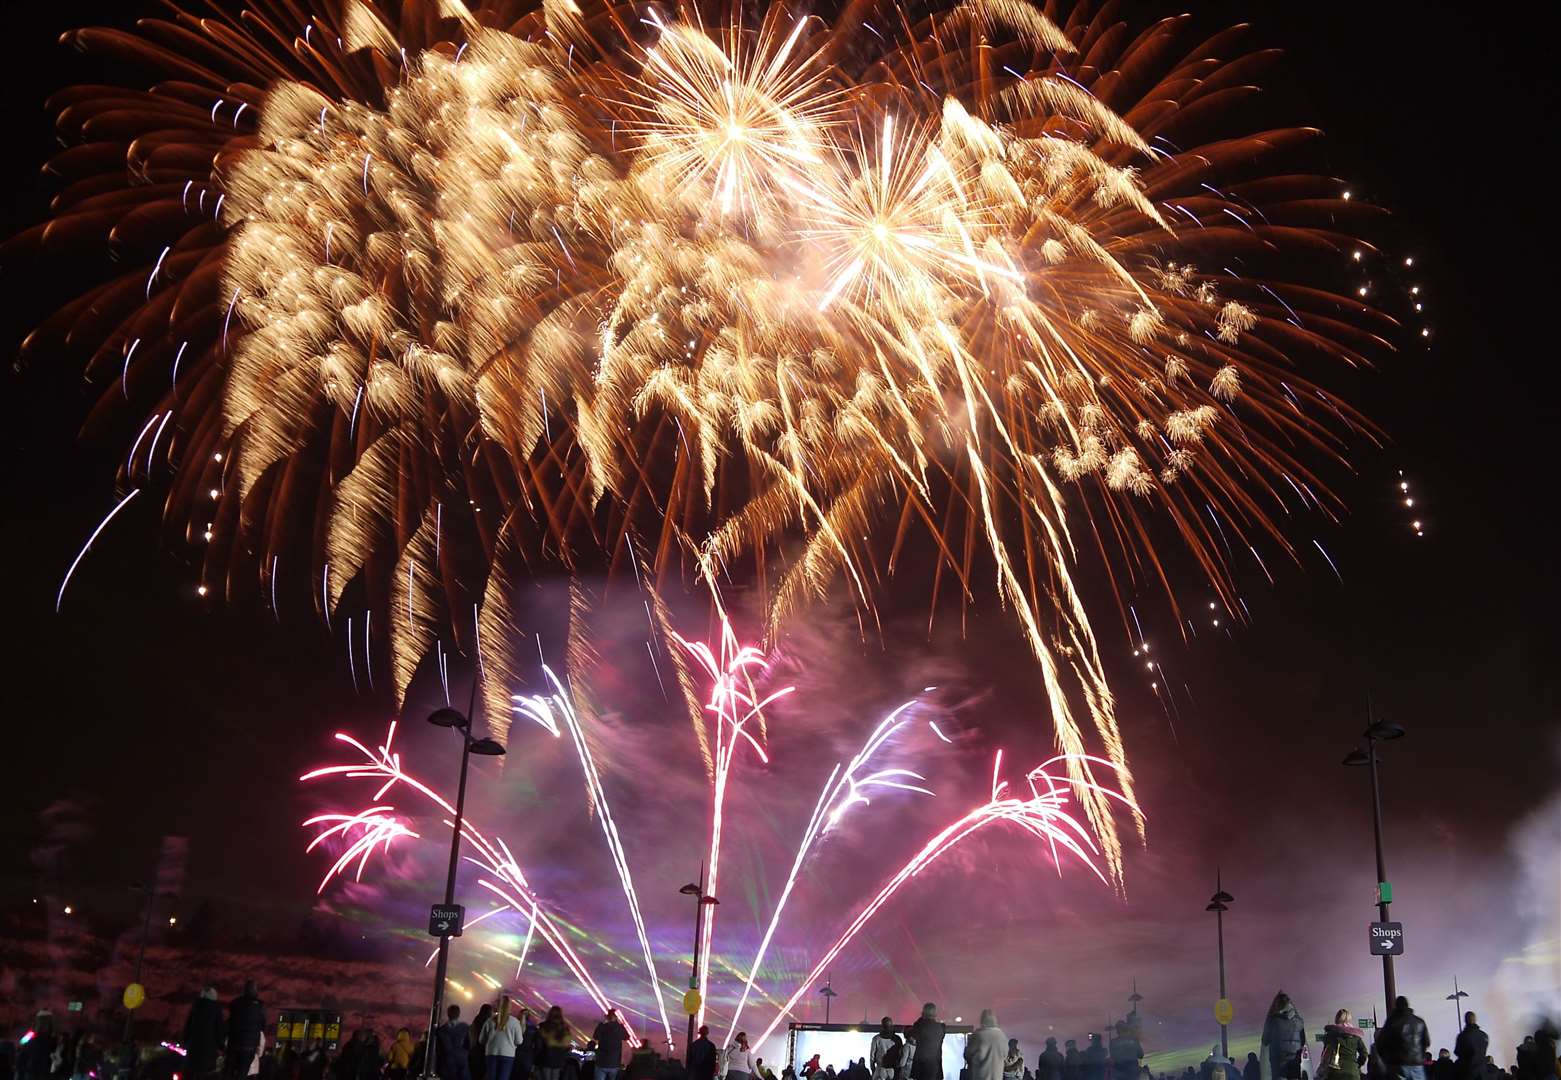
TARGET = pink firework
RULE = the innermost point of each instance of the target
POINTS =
(734, 704)
(1042, 815)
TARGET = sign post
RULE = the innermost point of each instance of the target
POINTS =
(444, 920)
(1224, 1012)
(1387, 939)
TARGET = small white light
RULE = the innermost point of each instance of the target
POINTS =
(217, 456)
(1363, 290)
(1419, 306)
(1403, 485)
(1414, 290)
(1409, 260)
(214, 493)
(1346, 194)
(173, 920)
(200, 590)
(1356, 256)
(1409, 502)
(69, 910)
(1426, 332)
(1417, 525)
(1150, 665)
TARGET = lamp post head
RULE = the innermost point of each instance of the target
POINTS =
(1356, 757)
(486, 747)
(708, 900)
(1385, 731)
(690, 889)
(448, 718)
(1222, 897)
(1215, 905)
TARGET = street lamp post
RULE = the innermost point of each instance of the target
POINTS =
(146, 929)
(450, 718)
(702, 900)
(1379, 731)
(1218, 903)
(1456, 998)
(827, 992)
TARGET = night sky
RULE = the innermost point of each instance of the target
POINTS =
(160, 714)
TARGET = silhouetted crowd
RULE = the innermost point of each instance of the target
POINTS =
(506, 1041)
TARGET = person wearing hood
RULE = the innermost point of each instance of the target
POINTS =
(1402, 1042)
(398, 1058)
(1444, 1068)
(986, 1049)
(1252, 1070)
(1344, 1048)
(203, 1031)
(1470, 1050)
(246, 1022)
(1072, 1061)
(1284, 1037)
(1095, 1060)
(927, 1035)
(1051, 1063)
(886, 1051)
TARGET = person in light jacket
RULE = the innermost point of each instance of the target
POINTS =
(886, 1052)
(986, 1049)
(739, 1059)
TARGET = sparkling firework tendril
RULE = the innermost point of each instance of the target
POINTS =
(733, 704)
(843, 790)
(383, 765)
(1042, 815)
(472, 291)
(542, 710)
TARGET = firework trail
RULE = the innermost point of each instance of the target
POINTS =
(843, 790)
(1043, 815)
(542, 710)
(733, 703)
(383, 764)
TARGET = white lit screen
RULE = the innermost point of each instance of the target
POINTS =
(840, 1048)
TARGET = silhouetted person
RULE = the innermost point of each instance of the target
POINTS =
(555, 1044)
(1126, 1052)
(609, 1037)
(702, 1058)
(1470, 1050)
(452, 1047)
(1253, 1069)
(1072, 1062)
(1095, 1060)
(927, 1033)
(986, 1049)
(203, 1031)
(1402, 1042)
(1051, 1063)
(1443, 1068)
(1284, 1035)
(246, 1021)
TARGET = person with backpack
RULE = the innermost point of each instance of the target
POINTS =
(1344, 1049)
(1284, 1037)
(885, 1052)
